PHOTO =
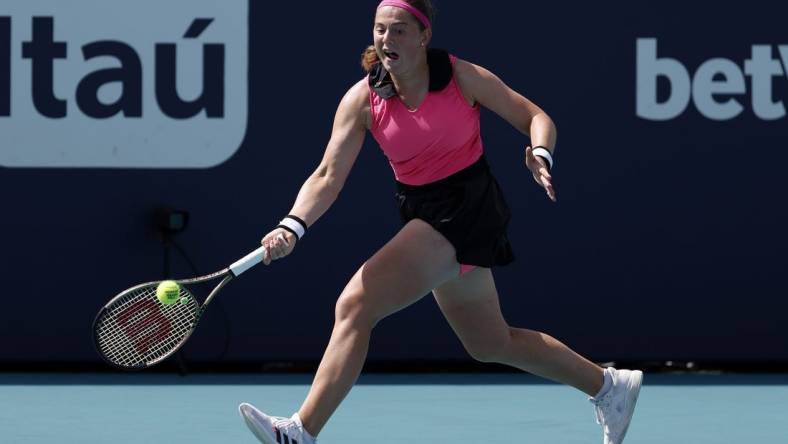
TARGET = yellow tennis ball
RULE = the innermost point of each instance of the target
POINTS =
(168, 292)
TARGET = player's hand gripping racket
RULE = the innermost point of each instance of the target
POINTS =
(135, 331)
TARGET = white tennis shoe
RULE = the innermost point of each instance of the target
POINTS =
(614, 409)
(274, 429)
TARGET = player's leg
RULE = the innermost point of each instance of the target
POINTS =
(470, 305)
(404, 270)
(414, 261)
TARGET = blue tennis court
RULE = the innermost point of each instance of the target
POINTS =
(432, 193)
(436, 408)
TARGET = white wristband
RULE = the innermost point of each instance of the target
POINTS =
(544, 154)
(295, 226)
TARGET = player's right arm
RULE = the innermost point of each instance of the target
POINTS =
(322, 187)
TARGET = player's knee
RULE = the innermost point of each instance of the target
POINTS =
(492, 350)
(485, 353)
(349, 306)
(353, 307)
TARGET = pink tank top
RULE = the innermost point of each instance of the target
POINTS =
(439, 138)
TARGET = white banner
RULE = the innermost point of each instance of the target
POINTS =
(109, 84)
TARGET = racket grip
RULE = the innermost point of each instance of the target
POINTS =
(248, 261)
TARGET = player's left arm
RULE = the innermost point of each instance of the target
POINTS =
(482, 86)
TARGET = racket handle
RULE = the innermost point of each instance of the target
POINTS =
(248, 261)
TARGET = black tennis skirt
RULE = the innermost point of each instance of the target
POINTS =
(468, 208)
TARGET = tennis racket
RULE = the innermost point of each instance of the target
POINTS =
(134, 331)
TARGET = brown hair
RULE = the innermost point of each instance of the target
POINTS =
(370, 57)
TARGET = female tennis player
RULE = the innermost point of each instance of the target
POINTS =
(422, 106)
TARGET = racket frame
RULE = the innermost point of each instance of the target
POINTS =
(227, 274)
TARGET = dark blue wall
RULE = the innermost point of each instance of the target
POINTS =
(667, 242)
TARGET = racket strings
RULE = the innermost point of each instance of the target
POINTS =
(136, 329)
(146, 335)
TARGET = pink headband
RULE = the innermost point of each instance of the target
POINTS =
(404, 5)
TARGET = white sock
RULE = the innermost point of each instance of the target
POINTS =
(297, 420)
(606, 384)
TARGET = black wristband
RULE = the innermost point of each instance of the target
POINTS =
(299, 220)
(547, 160)
(293, 224)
